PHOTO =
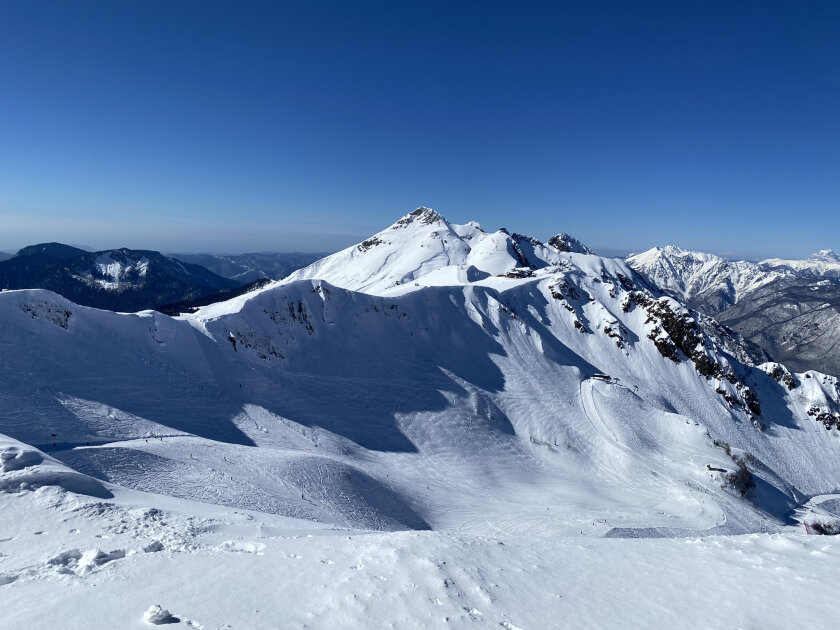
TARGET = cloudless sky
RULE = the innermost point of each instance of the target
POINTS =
(243, 126)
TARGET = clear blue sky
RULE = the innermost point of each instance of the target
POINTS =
(233, 126)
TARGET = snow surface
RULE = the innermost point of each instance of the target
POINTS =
(115, 275)
(246, 570)
(439, 427)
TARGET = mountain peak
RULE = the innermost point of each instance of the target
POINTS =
(424, 249)
(59, 251)
(825, 254)
(567, 243)
(677, 252)
(422, 215)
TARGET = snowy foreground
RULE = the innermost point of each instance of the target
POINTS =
(439, 427)
(85, 564)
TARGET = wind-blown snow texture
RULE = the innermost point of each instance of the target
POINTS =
(538, 409)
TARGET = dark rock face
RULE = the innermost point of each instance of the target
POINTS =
(368, 244)
(830, 419)
(781, 374)
(427, 216)
(568, 243)
(678, 335)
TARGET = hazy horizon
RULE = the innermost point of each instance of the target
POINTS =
(346, 240)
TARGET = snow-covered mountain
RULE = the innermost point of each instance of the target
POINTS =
(825, 263)
(426, 335)
(118, 279)
(424, 249)
(568, 243)
(700, 279)
(791, 309)
(251, 267)
(513, 397)
(716, 282)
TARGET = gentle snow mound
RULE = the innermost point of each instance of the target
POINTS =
(157, 616)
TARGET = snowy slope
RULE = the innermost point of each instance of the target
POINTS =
(115, 275)
(514, 399)
(74, 562)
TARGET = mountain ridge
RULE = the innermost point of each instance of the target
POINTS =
(423, 247)
(507, 376)
(791, 309)
(117, 279)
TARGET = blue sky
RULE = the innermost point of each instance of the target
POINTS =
(234, 126)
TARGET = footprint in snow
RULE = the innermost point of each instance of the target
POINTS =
(79, 562)
(8, 578)
(474, 613)
(243, 547)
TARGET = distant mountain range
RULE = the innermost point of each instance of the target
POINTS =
(133, 280)
(117, 279)
(787, 310)
(250, 267)
(790, 308)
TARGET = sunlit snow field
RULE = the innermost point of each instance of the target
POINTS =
(440, 427)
